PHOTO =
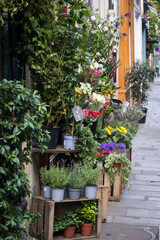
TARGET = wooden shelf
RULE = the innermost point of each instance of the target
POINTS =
(48, 209)
(59, 149)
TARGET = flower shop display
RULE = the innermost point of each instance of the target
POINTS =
(87, 214)
(44, 177)
(68, 224)
(59, 178)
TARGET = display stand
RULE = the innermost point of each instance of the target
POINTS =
(43, 226)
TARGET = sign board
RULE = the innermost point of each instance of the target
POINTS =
(77, 112)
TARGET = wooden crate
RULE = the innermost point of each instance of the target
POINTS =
(43, 226)
(102, 193)
(115, 191)
(129, 154)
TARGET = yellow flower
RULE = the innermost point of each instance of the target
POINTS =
(110, 128)
(108, 105)
(112, 92)
(108, 131)
(119, 130)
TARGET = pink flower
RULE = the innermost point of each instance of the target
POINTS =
(102, 155)
(85, 67)
(90, 72)
(97, 72)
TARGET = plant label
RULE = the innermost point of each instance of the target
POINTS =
(77, 112)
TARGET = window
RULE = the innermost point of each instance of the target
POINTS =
(11, 64)
(111, 4)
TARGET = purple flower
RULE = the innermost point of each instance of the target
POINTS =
(112, 147)
(117, 24)
(124, 34)
(127, 14)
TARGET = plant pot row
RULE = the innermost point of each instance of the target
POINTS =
(58, 194)
(86, 230)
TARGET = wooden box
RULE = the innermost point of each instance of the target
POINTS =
(102, 193)
(115, 191)
(43, 226)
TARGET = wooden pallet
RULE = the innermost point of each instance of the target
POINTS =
(115, 191)
(102, 193)
(43, 226)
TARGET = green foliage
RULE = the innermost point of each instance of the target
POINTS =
(70, 219)
(21, 119)
(58, 177)
(91, 175)
(125, 169)
(44, 176)
(87, 143)
(76, 179)
(88, 212)
(138, 80)
(12, 7)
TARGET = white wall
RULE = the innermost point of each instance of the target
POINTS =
(138, 30)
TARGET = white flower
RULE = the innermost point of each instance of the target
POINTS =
(98, 101)
(86, 88)
(93, 18)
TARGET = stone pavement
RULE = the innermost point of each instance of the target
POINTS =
(137, 215)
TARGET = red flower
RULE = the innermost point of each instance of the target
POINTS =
(107, 152)
(102, 155)
(117, 152)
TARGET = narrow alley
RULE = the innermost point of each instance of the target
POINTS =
(140, 206)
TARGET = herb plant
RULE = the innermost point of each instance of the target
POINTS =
(76, 179)
(58, 176)
(70, 219)
(88, 211)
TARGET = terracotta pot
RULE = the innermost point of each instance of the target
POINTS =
(69, 232)
(117, 165)
(86, 229)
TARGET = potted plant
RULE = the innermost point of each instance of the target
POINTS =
(69, 138)
(87, 214)
(44, 177)
(76, 181)
(68, 224)
(111, 162)
(91, 177)
(137, 79)
(59, 178)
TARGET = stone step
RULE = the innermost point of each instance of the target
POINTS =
(142, 193)
(141, 221)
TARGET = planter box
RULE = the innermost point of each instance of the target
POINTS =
(115, 191)
(102, 193)
(43, 226)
